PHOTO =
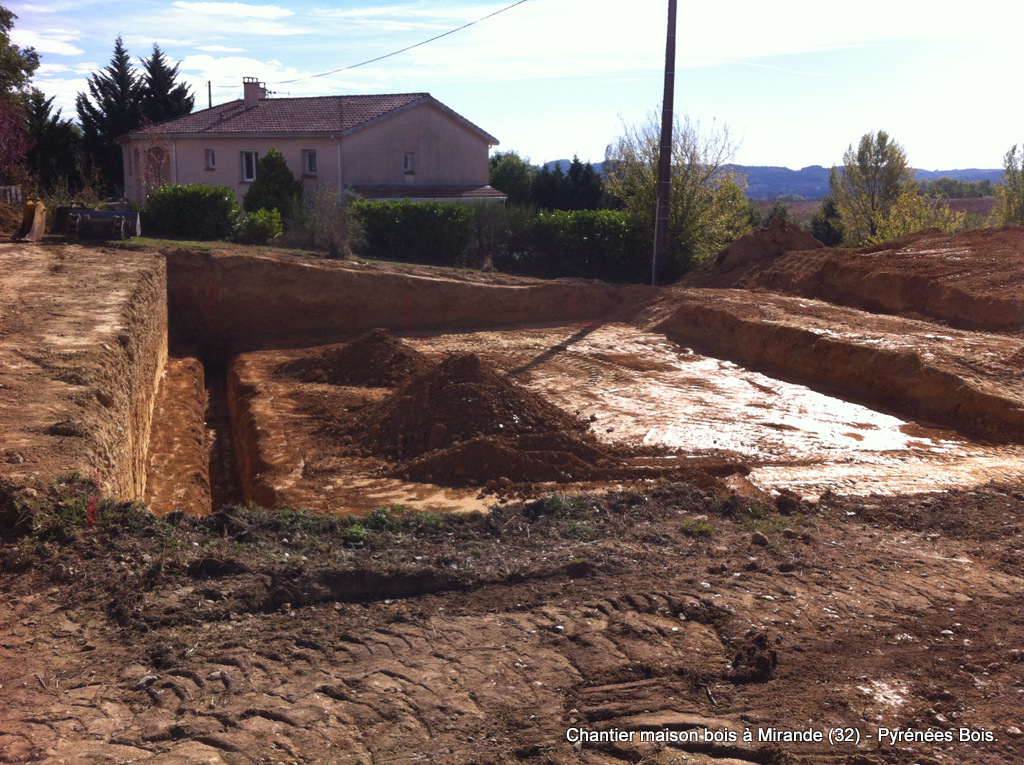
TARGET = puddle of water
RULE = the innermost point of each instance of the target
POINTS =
(642, 389)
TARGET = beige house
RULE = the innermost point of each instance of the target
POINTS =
(381, 146)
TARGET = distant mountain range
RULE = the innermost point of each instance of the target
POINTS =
(810, 182)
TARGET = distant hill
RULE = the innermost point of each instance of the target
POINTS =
(765, 182)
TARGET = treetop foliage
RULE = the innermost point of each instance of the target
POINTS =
(17, 65)
(120, 99)
(707, 208)
(275, 187)
(548, 188)
(872, 178)
(1009, 210)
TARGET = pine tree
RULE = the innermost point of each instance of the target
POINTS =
(110, 109)
(275, 188)
(55, 153)
(162, 97)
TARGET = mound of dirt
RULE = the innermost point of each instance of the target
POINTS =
(459, 399)
(10, 220)
(376, 359)
(524, 459)
(750, 254)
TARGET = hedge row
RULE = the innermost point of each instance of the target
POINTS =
(596, 244)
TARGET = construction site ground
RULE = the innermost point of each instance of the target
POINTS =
(706, 523)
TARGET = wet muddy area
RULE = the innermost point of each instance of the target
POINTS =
(637, 388)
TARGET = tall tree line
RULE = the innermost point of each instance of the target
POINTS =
(41, 148)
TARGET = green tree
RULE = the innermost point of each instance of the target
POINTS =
(867, 186)
(586, 189)
(17, 65)
(1009, 209)
(13, 143)
(708, 209)
(827, 224)
(54, 159)
(275, 188)
(163, 97)
(110, 109)
(913, 212)
(552, 189)
(514, 176)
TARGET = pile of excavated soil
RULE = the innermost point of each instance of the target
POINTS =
(752, 253)
(376, 359)
(462, 398)
(970, 280)
(10, 220)
(465, 424)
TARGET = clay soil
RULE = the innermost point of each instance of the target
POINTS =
(724, 614)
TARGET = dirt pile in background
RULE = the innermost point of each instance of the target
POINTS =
(969, 280)
(10, 220)
(751, 254)
(376, 359)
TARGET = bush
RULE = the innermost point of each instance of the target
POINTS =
(592, 244)
(415, 232)
(330, 222)
(260, 227)
(275, 188)
(192, 211)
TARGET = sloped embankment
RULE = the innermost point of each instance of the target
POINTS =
(967, 381)
(970, 280)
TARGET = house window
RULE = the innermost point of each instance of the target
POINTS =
(309, 161)
(248, 161)
(211, 160)
(410, 162)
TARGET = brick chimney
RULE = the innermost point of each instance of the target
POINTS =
(253, 91)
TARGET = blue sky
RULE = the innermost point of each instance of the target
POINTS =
(795, 81)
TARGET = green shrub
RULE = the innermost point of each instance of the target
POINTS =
(593, 244)
(192, 211)
(415, 232)
(274, 188)
(260, 227)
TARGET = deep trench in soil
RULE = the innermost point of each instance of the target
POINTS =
(225, 483)
(634, 387)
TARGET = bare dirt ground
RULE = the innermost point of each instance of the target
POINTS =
(807, 574)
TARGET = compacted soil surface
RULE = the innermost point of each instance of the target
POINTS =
(669, 625)
(537, 524)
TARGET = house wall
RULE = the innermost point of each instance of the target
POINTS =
(444, 152)
(187, 162)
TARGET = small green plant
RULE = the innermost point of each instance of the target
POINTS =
(697, 527)
(260, 227)
(354, 536)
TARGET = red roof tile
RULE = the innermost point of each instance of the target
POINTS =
(321, 114)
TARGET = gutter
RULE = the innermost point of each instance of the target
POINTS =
(341, 186)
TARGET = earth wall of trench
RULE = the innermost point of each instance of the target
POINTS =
(907, 380)
(82, 359)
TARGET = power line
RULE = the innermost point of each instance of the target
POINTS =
(403, 50)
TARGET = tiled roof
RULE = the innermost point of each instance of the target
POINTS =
(428, 192)
(321, 114)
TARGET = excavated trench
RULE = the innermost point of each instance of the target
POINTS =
(819, 404)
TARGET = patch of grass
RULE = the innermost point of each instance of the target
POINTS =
(697, 527)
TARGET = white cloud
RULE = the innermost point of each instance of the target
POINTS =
(237, 10)
(56, 42)
(219, 49)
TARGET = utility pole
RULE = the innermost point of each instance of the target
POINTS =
(665, 151)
